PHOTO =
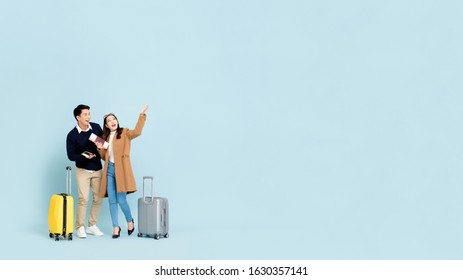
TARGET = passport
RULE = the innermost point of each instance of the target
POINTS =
(97, 139)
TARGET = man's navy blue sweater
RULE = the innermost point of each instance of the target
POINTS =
(77, 143)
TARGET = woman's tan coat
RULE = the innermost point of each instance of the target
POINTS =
(125, 181)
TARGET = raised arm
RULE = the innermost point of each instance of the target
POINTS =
(134, 133)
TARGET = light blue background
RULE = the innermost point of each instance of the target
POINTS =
(277, 129)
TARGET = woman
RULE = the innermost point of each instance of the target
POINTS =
(118, 180)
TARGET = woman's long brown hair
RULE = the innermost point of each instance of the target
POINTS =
(106, 130)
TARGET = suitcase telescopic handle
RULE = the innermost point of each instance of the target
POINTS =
(68, 180)
(152, 185)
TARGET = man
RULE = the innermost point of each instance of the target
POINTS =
(88, 169)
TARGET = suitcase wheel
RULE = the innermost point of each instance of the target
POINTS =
(156, 236)
(139, 235)
(70, 237)
(56, 238)
(51, 235)
(166, 235)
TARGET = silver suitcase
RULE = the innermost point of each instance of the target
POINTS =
(153, 214)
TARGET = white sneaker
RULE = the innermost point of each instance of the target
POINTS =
(81, 232)
(94, 230)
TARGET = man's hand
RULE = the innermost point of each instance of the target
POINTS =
(88, 155)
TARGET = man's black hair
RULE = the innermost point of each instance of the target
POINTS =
(78, 110)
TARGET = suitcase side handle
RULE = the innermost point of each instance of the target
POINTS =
(152, 186)
(68, 180)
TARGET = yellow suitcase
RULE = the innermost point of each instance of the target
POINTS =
(61, 212)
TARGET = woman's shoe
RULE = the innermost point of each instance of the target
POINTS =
(130, 231)
(118, 234)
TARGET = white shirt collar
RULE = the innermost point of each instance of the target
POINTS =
(80, 129)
